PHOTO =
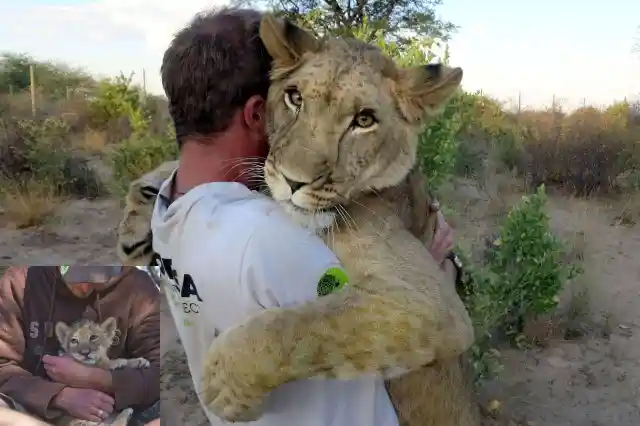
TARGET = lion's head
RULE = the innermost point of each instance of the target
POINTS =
(85, 340)
(343, 118)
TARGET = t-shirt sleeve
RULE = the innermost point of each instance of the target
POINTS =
(284, 264)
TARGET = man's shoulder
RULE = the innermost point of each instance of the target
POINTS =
(14, 281)
(142, 282)
(141, 290)
(280, 236)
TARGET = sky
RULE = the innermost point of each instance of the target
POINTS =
(576, 50)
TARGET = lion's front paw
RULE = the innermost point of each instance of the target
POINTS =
(242, 366)
(230, 389)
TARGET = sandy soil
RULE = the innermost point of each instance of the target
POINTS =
(82, 231)
(591, 380)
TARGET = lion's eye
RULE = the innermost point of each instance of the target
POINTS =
(93, 338)
(293, 98)
(364, 119)
(74, 341)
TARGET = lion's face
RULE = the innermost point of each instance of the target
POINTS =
(86, 341)
(343, 119)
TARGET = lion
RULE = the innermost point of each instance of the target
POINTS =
(343, 127)
(88, 342)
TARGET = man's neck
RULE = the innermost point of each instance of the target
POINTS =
(221, 160)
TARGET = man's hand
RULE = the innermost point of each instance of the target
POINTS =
(85, 404)
(68, 371)
(442, 240)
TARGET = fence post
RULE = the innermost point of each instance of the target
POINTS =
(144, 87)
(32, 83)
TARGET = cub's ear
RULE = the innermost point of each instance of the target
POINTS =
(285, 41)
(424, 91)
(62, 332)
(109, 326)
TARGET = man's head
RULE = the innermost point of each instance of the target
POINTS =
(83, 280)
(215, 74)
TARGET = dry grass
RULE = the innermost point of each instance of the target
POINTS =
(586, 152)
(92, 141)
(28, 203)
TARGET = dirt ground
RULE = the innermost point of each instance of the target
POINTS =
(590, 380)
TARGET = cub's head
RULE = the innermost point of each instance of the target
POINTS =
(85, 340)
(343, 118)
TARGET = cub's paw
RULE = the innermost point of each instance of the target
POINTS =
(138, 363)
(118, 363)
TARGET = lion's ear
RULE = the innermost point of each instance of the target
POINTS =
(425, 90)
(109, 326)
(62, 332)
(285, 41)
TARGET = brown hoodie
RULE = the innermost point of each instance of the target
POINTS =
(33, 299)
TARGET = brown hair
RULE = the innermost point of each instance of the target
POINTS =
(212, 67)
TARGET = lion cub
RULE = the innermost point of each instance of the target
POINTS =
(88, 342)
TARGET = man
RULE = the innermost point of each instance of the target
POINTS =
(36, 380)
(228, 250)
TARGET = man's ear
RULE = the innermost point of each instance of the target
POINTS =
(62, 332)
(425, 90)
(285, 41)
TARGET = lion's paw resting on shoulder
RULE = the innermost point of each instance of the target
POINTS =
(343, 124)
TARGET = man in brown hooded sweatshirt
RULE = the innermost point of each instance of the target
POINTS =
(33, 378)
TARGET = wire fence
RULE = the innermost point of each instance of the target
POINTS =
(558, 103)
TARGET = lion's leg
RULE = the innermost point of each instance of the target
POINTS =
(447, 395)
(343, 335)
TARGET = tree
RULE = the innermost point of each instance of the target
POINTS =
(52, 79)
(400, 19)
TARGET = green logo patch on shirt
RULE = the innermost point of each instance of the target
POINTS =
(334, 279)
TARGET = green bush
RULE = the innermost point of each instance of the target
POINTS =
(139, 155)
(438, 147)
(116, 98)
(39, 151)
(522, 278)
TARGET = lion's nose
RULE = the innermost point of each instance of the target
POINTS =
(294, 185)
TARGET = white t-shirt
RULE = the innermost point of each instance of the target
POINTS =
(231, 252)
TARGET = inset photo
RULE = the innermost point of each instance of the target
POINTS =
(79, 344)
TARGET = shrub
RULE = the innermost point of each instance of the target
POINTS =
(522, 277)
(115, 100)
(583, 152)
(29, 202)
(138, 155)
(39, 151)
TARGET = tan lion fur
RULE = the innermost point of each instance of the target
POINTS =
(89, 342)
(418, 318)
(343, 129)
